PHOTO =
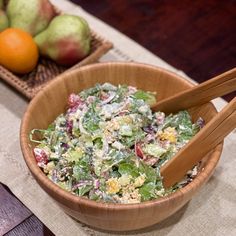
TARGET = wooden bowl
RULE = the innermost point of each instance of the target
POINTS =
(52, 101)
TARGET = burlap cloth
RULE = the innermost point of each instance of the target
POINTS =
(211, 212)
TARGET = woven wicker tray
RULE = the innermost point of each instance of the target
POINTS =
(29, 84)
(46, 70)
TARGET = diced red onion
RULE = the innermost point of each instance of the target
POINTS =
(69, 126)
(96, 183)
(81, 184)
(200, 122)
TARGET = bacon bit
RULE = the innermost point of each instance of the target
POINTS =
(41, 157)
(74, 100)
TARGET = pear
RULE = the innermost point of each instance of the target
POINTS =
(1, 4)
(3, 20)
(32, 16)
(66, 40)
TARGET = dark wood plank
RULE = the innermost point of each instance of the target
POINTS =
(12, 211)
(30, 227)
(16, 219)
(197, 37)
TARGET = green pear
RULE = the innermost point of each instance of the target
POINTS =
(1, 4)
(32, 16)
(3, 20)
(66, 40)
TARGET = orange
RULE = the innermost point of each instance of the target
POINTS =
(18, 51)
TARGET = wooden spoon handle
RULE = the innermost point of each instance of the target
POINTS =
(200, 94)
(205, 140)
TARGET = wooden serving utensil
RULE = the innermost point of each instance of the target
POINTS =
(216, 87)
(205, 140)
(209, 136)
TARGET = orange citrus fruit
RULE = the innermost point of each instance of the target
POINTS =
(18, 51)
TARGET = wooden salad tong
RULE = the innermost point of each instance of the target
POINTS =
(210, 135)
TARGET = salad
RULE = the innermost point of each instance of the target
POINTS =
(109, 146)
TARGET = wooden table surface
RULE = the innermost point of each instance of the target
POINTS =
(197, 37)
